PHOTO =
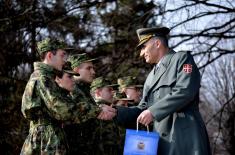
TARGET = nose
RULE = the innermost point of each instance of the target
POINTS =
(65, 57)
(93, 71)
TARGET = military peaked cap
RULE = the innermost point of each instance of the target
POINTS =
(78, 59)
(50, 44)
(144, 34)
(128, 81)
(68, 69)
(101, 82)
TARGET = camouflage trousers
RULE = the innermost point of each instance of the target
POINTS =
(45, 140)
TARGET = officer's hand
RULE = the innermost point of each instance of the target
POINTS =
(145, 117)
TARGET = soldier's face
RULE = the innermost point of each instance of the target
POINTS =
(66, 82)
(150, 51)
(59, 59)
(86, 71)
(106, 93)
(122, 103)
(133, 93)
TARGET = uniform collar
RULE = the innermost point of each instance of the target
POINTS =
(158, 64)
(166, 59)
(45, 69)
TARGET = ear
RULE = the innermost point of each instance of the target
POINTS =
(57, 80)
(49, 55)
(157, 43)
(98, 92)
(76, 69)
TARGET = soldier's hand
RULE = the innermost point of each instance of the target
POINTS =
(145, 117)
(107, 108)
(107, 112)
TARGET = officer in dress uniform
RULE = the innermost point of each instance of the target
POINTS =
(170, 97)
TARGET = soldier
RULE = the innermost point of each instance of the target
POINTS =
(122, 100)
(107, 134)
(43, 104)
(103, 90)
(66, 80)
(129, 85)
(46, 105)
(80, 136)
(131, 88)
(170, 97)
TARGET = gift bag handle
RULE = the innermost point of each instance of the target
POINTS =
(137, 127)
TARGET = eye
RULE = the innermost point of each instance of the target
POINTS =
(63, 55)
(90, 67)
(142, 47)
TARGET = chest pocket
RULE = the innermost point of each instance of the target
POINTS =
(163, 88)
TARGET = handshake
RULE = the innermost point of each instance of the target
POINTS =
(107, 112)
(144, 117)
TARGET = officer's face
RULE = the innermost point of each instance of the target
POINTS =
(150, 51)
(133, 93)
(66, 82)
(59, 59)
(86, 71)
(106, 93)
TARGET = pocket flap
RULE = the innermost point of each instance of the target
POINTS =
(164, 82)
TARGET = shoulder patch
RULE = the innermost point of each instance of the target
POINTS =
(187, 68)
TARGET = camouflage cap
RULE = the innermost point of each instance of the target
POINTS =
(50, 44)
(128, 81)
(121, 96)
(68, 69)
(145, 34)
(78, 59)
(101, 82)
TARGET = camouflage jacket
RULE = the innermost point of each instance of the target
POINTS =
(47, 106)
(80, 136)
(108, 136)
(81, 95)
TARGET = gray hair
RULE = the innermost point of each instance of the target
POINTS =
(163, 40)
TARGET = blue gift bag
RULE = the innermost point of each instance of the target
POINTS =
(141, 142)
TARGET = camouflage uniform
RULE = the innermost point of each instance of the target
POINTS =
(107, 134)
(125, 82)
(80, 136)
(121, 96)
(122, 130)
(128, 81)
(47, 106)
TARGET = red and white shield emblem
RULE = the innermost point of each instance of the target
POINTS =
(187, 68)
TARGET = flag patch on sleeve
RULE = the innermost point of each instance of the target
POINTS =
(187, 68)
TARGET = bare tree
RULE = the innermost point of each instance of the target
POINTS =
(201, 26)
(220, 94)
